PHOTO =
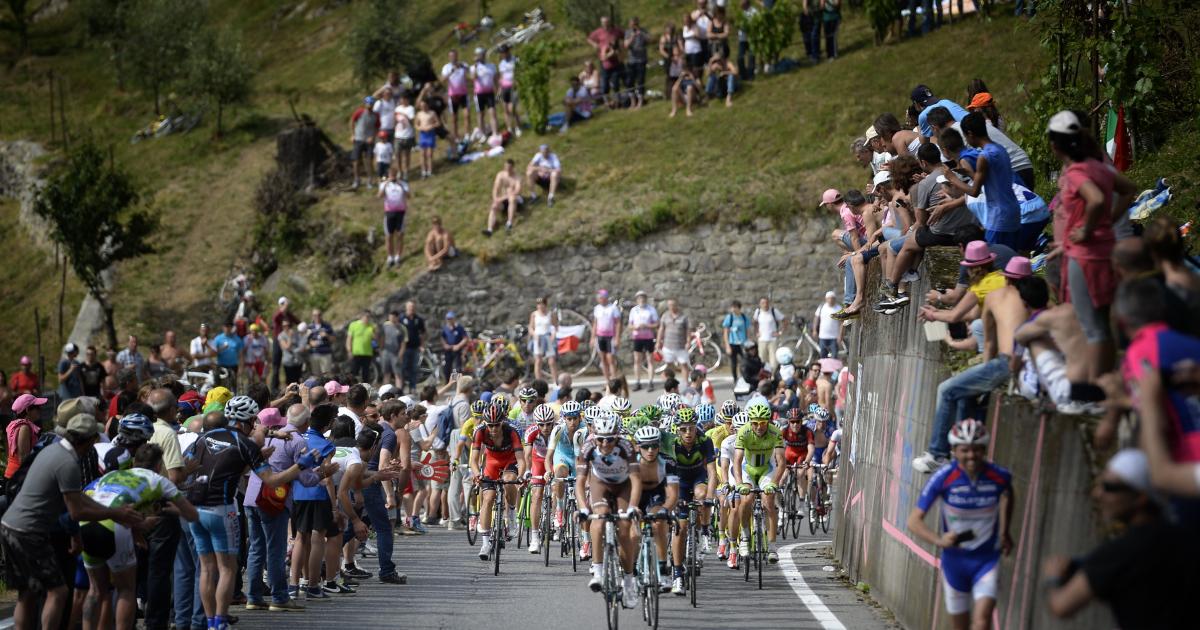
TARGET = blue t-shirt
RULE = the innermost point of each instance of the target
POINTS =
(314, 440)
(736, 327)
(453, 335)
(322, 343)
(229, 348)
(971, 155)
(968, 506)
(955, 110)
(1003, 211)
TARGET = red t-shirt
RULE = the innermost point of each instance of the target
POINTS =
(277, 321)
(611, 37)
(22, 383)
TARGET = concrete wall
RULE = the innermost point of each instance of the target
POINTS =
(890, 410)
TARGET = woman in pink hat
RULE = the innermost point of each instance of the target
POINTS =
(23, 431)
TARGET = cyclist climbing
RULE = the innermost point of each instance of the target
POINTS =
(536, 446)
(521, 418)
(977, 505)
(758, 462)
(819, 430)
(695, 460)
(729, 494)
(795, 441)
(608, 466)
(660, 492)
(504, 461)
(566, 439)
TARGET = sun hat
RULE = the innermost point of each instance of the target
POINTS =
(831, 196)
(283, 300)
(270, 417)
(830, 294)
(83, 424)
(976, 254)
(1018, 267)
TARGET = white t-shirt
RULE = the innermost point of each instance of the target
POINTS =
(643, 315)
(383, 152)
(768, 323)
(606, 316)
(349, 413)
(456, 79)
(583, 98)
(485, 77)
(395, 199)
(878, 160)
(186, 440)
(344, 457)
(691, 40)
(197, 346)
(508, 72)
(404, 120)
(828, 328)
(387, 113)
(542, 161)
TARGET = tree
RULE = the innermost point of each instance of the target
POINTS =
(91, 208)
(533, 79)
(108, 21)
(157, 43)
(385, 37)
(585, 15)
(18, 22)
(219, 71)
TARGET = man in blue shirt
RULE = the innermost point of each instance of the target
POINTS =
(924, 100)
(454, 339)
(229, 350)
(320, 345)
(313, 517)
(736, 325)
(993, 175)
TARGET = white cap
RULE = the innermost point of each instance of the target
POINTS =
(282, 300)
(882, 177)
(830, 294)
(479, 51)
(941, 179)
(249, 293)
(70, 348)
(408, 401)
(1065, 122)
(871, 133)
(386, 388)
(1132, 467)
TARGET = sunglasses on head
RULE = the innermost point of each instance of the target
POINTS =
(1115, 487)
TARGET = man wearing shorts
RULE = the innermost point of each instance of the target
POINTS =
(506, 197)
(608, 466)
(508, 90)
(606, 333)
(313, 519)
(673, 336)
(364, 124)
(544, 171)
(695, 463)
(660, 492)
(758, 462)
(536, 443)
(484, 76)
(427, 125)
(394, 192)
(643, 322)
(564, 442)
(607, 41)
(454, 73)
(395, 338)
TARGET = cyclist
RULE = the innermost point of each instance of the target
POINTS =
(705, 414)
(660, 492)
(609, 467)
(724, 426)
(521, 418)
(795, 441)
(566, 439)
(977, 504)
(504, 460)
(694, 462)
(621, 407)
(819, 430)
(591, 413)
(133, 431)
(462, 450)
(834, 451)
(536, 446)
(727, 491)
(758, 461)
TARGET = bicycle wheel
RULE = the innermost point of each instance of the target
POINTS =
(472, 514)
(824, 510)
(813, 497)
(584, 356)
(693, 568)
(652, 592)
(760, 549)
(795, 517)
(747, 560)
(547, 522)
(712, 351)
(499, 528)
(427, 367)
(574, 539)
(612, 586)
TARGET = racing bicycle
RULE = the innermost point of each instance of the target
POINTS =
(691, 553)
(818, 500)
(647, 567)
(568, 533)
(499, 523)
(612, 587)
(789, 502)
(758, 537)
(472, 508)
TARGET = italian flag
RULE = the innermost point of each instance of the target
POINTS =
(1116, 139)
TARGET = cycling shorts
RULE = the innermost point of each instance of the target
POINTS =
(538, 468)
(653, 497)
(563, 460)
(819, 454)
(612, 494)
(795, 454)
(688, 483)
(757, 476)
(108, 543)
(496, 464)
(216, 531)
(968, 576)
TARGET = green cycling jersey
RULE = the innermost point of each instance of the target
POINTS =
(758, 450)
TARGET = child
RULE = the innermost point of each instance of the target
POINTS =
(427, 124)
(395, 204)
(383, 156)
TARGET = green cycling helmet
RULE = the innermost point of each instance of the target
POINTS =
(685, 415)
(758, 412)
(651, 413)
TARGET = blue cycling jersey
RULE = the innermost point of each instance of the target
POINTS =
(969, 506)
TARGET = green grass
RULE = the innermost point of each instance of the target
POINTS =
(785, 139)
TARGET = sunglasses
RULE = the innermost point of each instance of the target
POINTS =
(795, 420)
(605, 440)
(546, 424)
(759, 423)
(648, 447)
(685, 427)
(1114, 487)
(493, 424)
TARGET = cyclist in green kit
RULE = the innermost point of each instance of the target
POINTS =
(758, 462)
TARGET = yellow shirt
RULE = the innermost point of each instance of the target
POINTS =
(468, 428)
(987, 284)
(718, 434)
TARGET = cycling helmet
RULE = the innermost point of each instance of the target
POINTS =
(813, 407)
(705, 414)
(728, 409)
(478, 407)
(240, 409)
(819, 414)
(570, 409)
(670, 402)
(588, 403)
(685, 415)
(652, 413)
(493, 414)
(544, 414)
(969, 431)
(501, 403)
(136, 426)
(606, 424)
(783, 356)
(793, 413)
(527, 394)
(648, 435)
(592, 414)
(740, 419)
(758, 412)
(621, 405)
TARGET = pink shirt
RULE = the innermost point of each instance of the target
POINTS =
(852, 222)
(1069, 213)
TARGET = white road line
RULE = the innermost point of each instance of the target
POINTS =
(819, 611)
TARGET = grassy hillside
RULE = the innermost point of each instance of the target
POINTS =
(786, 139)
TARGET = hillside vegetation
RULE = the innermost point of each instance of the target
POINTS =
(786, 138)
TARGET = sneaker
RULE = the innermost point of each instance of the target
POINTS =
(418, 527)
(629, 592)
(744, 547)
(394, 578)
(772, 557)
(294, 592)
(353, 571)
(368, 550)
(597, 581)
(253, 605)
(705, 544)
(550, 201)
(444, 521)
(487, 233)
(535, 544)
(290, 605)
(351, 582)
(733, 559)
(507, 228)
(927, 463)
(533, 198)
(316, 595)
(723, 549)
(910, 276)
(677, 586)
(453, 526)
(664, 583)
(901, 299)
(485, 549)
(885, 310)
(333, 587)
(585, 551)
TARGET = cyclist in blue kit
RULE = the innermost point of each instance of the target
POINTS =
(977, 498)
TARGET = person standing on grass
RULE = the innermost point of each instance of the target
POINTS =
(483, 74)
(607, 42)
(394, 192)
(385, 108)
(635, 63)
(383, 156)
(508, 90)
(364, 124)
(427, 126)
(506, 197)
(406, 135)
(454, 73)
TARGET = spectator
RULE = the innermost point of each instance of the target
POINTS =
(22, 431)
(980, 278)
(383, 151)
(282, 314)
(769, 323)
(70, 381)
(163, 539)
(673, 336)
(394, 192)
(643, 324)
(693, 45)
(483, 74)
(544, 170)
(291, 352)
(686, 90)
(1058, 348)
(91, 373)
(831, 18)
(131, 358)
(1180, 479)
(255, 348)
(202, 350)
(606, 332)
(861, 152)
(542, 324)
(507, 68)
(752, 365)
(718, 33)
(364, 126)
(722, 78)
(454, 73)
(1089, 191)
(320, 345)
(395, 338)
(895, 137)
(939, 119)
(979, 99)
(589, 76)
(703, 22)
(229, 350)
(635, 62)
(923, 101)
(607, 41)
(454, 339)
(361, 337)
(1127, 571)
(993, 176)
(669, 47)
(414, 328)
(856, 225)
(577, 104)
(427, 127)
(439, 244)
(745, 56)
(826, 329)
(737, 328)
(406, 135)
(25, 380)
(811, 20)
(385, 109)
(506, 197)
(1166, 247)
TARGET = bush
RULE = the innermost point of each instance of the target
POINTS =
(770, 31)
(385, 37)
(881, 14)
(584, 15)
(533, 80)
(280, 226)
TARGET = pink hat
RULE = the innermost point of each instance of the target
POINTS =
(270, 417)
(333, 388)
(831, 196)
(25, 401)
(26, 361)
(976, 254)
(602, 293)
(1018, 267)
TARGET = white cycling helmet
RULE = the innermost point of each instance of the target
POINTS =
(240, 409)
(670, 402)
(592, 414)
(570, 409)
(728, 409)
(969, 431)
(621, 405)
(543, 414)
(740, 419)
(606, 424)
(647, 435)
(783, 356)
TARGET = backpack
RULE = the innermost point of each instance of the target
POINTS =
(445, 428)
(12, 486)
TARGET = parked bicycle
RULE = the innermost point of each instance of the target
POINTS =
(805, 345)
(512, 36)
(491, 353)
(702, 348)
